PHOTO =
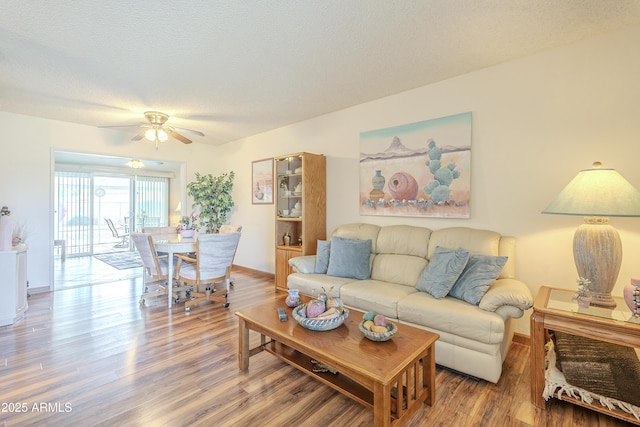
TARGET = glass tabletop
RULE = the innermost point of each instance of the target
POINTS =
(562, 300)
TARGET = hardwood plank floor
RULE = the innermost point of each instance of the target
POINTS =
(91, 356)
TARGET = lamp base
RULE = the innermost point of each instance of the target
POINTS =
(597, 252)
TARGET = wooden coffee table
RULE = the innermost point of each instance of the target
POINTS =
(368, 372)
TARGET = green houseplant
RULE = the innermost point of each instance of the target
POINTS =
(212, 194)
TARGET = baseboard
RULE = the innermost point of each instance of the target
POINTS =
(252, 271)
(521, 339)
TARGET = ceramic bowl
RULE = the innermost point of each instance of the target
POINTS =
(374, 336)
(318, 325)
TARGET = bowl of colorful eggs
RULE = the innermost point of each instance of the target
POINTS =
(376, 327)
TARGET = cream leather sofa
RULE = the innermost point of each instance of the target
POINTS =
(474, 339)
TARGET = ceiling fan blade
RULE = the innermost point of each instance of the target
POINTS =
(195, 132)
(179, 137)
(122, 126)
(139, 136)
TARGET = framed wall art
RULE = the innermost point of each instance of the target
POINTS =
(417, 169)
(262, 182)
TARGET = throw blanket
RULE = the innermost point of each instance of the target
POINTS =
(591, 370)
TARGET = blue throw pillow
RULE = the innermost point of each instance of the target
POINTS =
(322, 257)
(444, 268)
(350, 258)
(476, 278)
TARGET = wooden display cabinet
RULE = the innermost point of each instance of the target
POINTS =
(300, 209)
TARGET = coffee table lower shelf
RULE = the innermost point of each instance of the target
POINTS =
(338, 381)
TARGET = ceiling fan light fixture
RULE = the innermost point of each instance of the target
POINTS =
(135, 164)
(150, 134)
(162, 135)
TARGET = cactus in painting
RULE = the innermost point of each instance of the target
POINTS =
(439, 189)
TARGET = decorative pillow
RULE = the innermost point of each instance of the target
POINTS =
(444, 268)
(480, 272)
(350, 258)
(322, 257)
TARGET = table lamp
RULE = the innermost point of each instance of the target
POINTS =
(597, 194)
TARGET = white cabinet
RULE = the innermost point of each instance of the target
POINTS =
(13, 285)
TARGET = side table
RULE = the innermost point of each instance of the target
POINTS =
(553, 309)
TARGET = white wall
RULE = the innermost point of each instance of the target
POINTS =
(536, 122)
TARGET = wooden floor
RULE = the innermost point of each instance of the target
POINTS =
(92, 356)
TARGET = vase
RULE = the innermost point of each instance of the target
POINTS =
(378, 181)
(631, 294)
(187, 233)
(293, 299)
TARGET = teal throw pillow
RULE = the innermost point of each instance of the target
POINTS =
(350, 258)
(322, 257)
(444, 268)
(476, 278)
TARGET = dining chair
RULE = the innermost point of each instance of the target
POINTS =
(124, 237)
(212, 264)
(160, 230)
(156, 267)
(228, 228)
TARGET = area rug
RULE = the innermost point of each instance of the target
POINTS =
(592, 371)
(121, 260)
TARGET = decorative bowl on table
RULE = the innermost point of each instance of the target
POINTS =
(379, 336)
(318, 324)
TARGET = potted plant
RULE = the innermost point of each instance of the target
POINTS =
(583, 295)
(212, 195)
(187, 224)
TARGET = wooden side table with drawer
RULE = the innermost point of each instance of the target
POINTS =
(554, 309)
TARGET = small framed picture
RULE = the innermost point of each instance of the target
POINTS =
(262, 182)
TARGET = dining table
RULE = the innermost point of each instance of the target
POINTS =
(173, 244)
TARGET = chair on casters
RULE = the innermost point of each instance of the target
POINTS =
(227, 228)
(160, 230)
(214, 257)
(124, 237)
(155, 267)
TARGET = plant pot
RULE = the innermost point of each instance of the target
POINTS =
(187, 233)
(583, 300)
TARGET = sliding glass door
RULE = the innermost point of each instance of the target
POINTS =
(87, 202)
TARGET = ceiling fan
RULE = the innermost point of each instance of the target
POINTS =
(157, 130)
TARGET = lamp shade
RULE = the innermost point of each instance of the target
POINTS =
(597, 192)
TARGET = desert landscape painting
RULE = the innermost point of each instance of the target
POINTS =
(417, 169)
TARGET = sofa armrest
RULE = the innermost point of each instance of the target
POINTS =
(510, 292)
(303, 264)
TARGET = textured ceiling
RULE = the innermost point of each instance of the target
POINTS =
(233, 68)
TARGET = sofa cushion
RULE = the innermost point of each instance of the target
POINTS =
(403, 240)
(479, 273)
(350, 258)
(479, 241)
(374, 295)
(452, 316)
(322, 256)
(402, 269)
(439, 276)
